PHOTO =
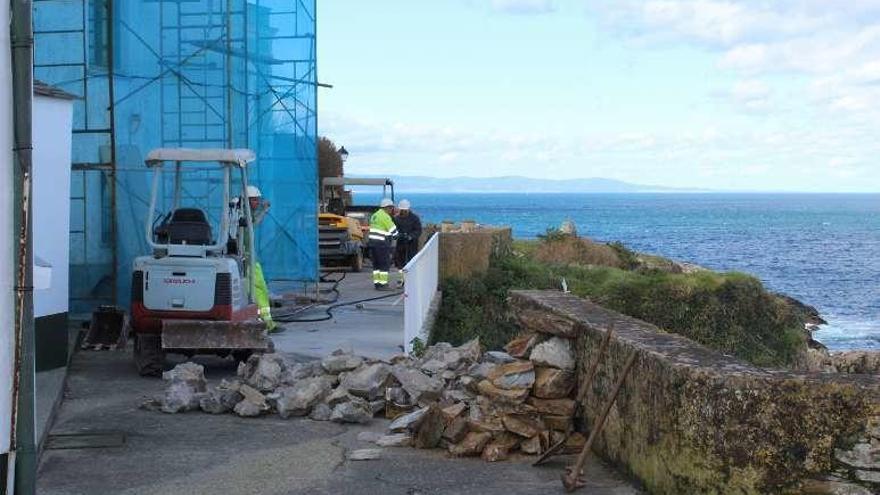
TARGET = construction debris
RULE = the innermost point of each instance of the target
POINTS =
(470, 403)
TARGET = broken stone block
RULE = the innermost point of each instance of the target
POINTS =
(408, 422)
(453, 396)
(556, 407)
(402, 359)
(340, 361)
(368, 381)
(522, 346)
(471, 350)
(481, 371)
(532, 446)
(523, 426)
(186, 386)
(448, 375)
(508, 440)
(499, 449)
(453, 411)
(430, 429)
(558, 423)
(355, 411)
(487, 424)
(397, 402)
(486, 388)
(337, 396)
(395, 440)
(365, 455)
(220, 400)
(248, 409)
(377, 406)
(469, 383)
(498, 357)
(451, 358)
(553, 383)
(321, 412)
(555, 353)
(251, 394)
(433, 367)
(180, 397)
(513, 376)
(298, 399)
(398, 396)
(420, 387)
(472, 444)
(267, 375)
(494, 452)
(301, 371)
(189, 372)
(253, 402)
(456, 430)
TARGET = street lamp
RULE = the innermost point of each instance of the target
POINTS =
(343, 153)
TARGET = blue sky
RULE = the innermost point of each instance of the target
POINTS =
(756, 95)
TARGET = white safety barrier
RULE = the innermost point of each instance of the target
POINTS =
(421, 278)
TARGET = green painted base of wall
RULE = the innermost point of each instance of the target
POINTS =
(52, 341)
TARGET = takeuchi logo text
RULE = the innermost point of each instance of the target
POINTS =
(180, 281)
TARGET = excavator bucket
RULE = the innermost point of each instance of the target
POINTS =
(108, 329)
(208, 334)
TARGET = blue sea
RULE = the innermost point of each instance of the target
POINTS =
(823, 249)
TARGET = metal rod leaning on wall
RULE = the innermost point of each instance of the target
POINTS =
(581, 396)
(572, 480)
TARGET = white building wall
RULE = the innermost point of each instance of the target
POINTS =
(51, 215)
(7, 262)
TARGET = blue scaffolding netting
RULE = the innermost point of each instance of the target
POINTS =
(182, 73)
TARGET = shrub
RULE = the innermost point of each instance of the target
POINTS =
(575, 250)
(729, 312)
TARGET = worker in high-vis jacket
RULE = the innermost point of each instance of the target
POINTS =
(382, 232)
(259, 208)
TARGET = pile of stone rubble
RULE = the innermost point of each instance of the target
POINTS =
(471, 403)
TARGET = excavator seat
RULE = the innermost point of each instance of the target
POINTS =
(187, 226)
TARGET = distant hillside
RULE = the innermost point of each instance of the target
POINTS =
(416, 184)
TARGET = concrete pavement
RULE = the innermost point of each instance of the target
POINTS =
(197, 453)
(373, 329)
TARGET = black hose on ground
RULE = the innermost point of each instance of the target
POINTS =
(287, 317)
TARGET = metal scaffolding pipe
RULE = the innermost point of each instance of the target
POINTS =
(23, 437)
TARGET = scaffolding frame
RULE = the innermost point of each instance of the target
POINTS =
(219, 73)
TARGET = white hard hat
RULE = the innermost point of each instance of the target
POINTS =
(386, 203)
(404, 204)
(254, 192)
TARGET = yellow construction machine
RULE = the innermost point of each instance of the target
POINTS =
(343, 226)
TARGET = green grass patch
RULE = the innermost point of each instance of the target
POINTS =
(729, 312)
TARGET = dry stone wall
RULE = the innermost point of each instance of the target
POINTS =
(690, 420)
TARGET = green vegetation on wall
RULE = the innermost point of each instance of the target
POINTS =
(729, 312)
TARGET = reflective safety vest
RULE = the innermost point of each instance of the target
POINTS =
(382, 227)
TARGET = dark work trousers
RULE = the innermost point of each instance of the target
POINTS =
(404, 252)
(380, 253)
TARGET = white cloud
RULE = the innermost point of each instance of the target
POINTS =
(834, 45)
